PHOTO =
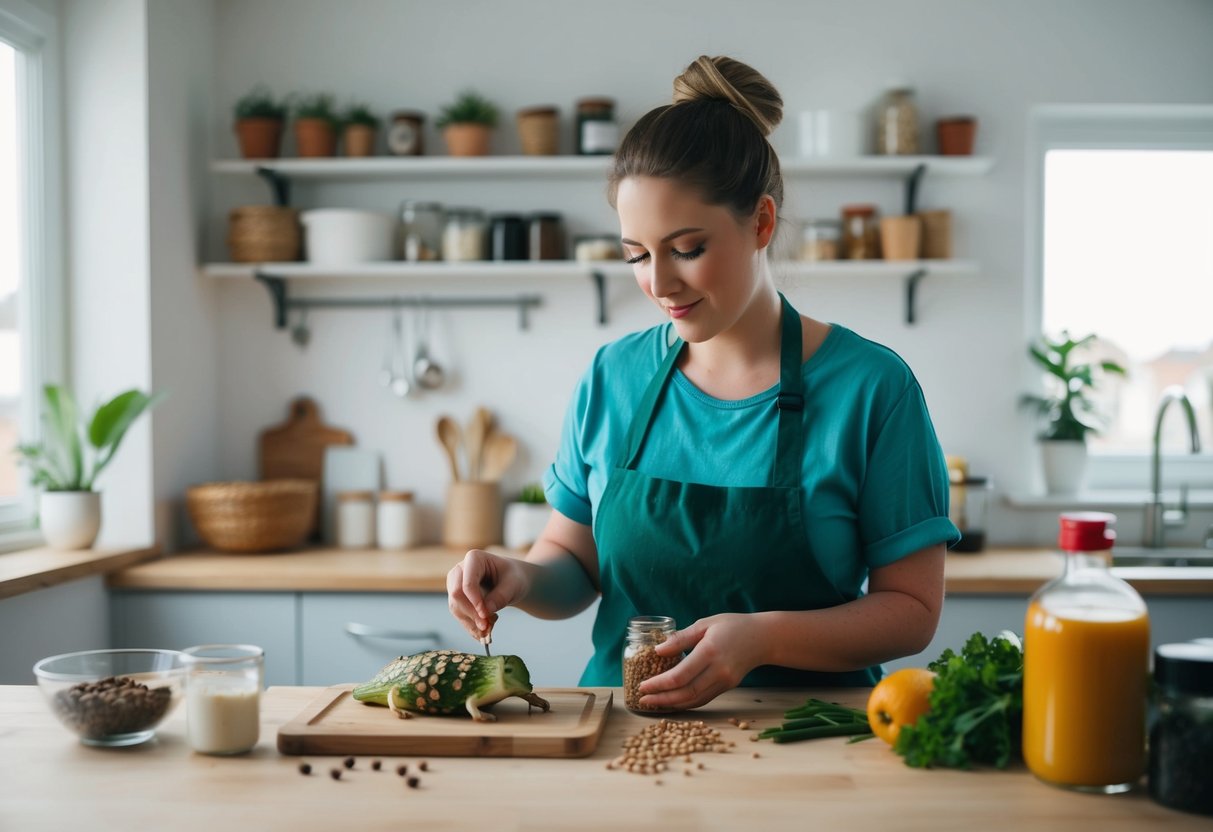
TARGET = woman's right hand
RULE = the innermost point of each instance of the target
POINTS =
(480, 585)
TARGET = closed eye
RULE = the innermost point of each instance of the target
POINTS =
(675, 253)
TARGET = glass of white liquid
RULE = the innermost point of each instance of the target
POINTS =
(223, 685)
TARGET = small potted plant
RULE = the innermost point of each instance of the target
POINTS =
(66, 462)
(316, 125)
(526, 517)
(1068, 409)
(259, 119)
(467, 124)
(360, 126)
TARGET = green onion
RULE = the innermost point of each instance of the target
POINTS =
(815, 719)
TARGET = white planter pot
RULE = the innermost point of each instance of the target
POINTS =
(1065, 465)
(340, 236)
(524, 523)
(70, 519)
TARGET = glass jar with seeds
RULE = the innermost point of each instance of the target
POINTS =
(640, 660)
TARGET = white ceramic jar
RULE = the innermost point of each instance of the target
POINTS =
(339, 236)
(395, 526)
(355, 520)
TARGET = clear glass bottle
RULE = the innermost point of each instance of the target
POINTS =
(821, 240)
(223, 685)
(640, 662)
(1181, 738)
(465, 237)
(897, 123)
(1086, 668)
(422, 230)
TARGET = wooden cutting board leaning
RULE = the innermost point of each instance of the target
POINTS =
(336, 724)
(295, 448)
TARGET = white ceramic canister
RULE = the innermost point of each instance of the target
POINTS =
(395, 520)
(835, 134)
(337, 236)
(355, 519)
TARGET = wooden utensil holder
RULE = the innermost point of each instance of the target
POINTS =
(473, 515)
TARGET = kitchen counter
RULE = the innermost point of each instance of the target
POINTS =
(50, 781)
(995, 571)
(31, 569)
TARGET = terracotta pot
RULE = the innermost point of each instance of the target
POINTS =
(315, 137)
(899, 237)
(955, 135)
(359, 140)
(467, 139)
(260, 138)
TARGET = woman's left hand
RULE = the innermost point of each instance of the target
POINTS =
(721, 650)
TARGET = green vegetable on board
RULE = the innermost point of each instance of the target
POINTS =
(816, 719)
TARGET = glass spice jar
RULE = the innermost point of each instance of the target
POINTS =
(1181, 737)
(640, 662)
(821, 238)
(507, 237)
(546, 237)
(860, 233)
(597, 130)
(423, 223)
(897, 123)
(465, 237)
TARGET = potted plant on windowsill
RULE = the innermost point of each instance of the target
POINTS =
(360, 126)
(259, 119)
(467, 124)
(316, 126)
(66, 462)
(526, 517)
(1067, 407)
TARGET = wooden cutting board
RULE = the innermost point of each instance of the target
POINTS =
(336, 724)
(295, 448)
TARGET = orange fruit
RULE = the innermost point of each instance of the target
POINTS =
(898, 700)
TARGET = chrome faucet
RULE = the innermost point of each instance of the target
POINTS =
(1158, 517)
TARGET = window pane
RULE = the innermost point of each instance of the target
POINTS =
(10, 263)
(1128, 256)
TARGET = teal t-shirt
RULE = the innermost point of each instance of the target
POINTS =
(875, 482)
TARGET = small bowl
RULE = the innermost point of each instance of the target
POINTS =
(112, 697)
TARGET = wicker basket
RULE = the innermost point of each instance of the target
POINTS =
(253, 516)
(264, 233)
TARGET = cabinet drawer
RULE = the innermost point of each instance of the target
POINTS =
(347, 637)
(175, 620)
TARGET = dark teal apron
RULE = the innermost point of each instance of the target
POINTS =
(689, 550)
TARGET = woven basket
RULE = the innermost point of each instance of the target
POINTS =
(264, 233)
(252, 516)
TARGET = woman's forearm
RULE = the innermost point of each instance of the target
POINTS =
(877, 628)
(558, 586)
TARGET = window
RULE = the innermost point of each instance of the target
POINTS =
(31, 309)
(1120, 241)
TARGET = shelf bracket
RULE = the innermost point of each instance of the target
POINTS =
(600, 283)
(279, 184)
(912, 182)
(277, 289)
(911, 293)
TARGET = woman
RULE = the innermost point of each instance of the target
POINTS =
(742, 468)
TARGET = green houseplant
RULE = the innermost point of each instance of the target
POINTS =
(360, 126)
(258, 121)
(467, 124)
(1069, 413)
(70, 456)
(316, 123)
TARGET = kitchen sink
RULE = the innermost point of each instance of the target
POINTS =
(1169, 556)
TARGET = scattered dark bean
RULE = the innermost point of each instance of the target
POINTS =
(304, 768)
(349, 762)
(402, 770)
(376, 765)
(335, 774)
(423, 766)
(414, 782)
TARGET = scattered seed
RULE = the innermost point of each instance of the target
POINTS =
(402, 770)
(376, 765)
(658, 782)
(732, 720)
(700, 766)
(349, 762)
(753, 738)
(687, 772)
(414, 782)
(755, 755)
(423, 766)
(335, 774)
(743, 725)
(304, 768)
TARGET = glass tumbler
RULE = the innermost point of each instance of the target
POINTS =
(223, 685)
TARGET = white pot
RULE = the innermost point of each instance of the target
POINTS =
(70, 519)
(836, 134)
(339, 236)
(524, 523)
(1065, 465)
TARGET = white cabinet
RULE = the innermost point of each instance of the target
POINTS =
(175, 620)
(347, 637)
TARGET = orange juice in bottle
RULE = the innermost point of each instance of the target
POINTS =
(1085, 670)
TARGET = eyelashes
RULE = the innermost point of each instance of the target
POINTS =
(675, 253)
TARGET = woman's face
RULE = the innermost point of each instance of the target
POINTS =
(697, 262)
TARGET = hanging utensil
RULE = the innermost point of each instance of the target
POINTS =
(477, 431)
(387, 372)
(427, 372)
(499, 453)
(400, 376)
(300, 333)
(450, 438)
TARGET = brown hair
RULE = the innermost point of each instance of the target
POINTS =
(712, 138)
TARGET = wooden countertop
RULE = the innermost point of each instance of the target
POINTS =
(51, 781)
(31, 569)
(996, 571)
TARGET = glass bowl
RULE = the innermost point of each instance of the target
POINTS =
(112, 697)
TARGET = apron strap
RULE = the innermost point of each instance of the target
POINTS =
(643, 417)
(790, 401)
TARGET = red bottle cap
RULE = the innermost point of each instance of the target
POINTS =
(1086, 531)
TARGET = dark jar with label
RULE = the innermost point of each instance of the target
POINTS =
(546, 233)
(1181, 738)
(507, 237)
(597, 131)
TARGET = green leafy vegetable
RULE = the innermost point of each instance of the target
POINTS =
(976, 708)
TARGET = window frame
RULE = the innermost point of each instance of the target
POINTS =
(34, 33)
(1109, 127)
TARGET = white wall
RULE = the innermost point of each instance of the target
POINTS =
(993, 59)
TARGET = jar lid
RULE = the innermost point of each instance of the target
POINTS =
(355, 496)
(547, 216)
(596, 102)
(1086, 531)
(395, 496)
(464, 212)
(544, 110)
(864, 210)
(418, 205)
(1185, 666)
(413, 114)
(506, 217)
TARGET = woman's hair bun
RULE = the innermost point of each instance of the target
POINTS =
(725, 79)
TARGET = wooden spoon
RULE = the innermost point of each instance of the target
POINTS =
(499, 454)
(477, 431)
(450, 437)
